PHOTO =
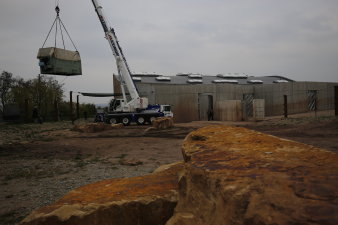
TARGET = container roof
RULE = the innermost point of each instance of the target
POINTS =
(99, 94)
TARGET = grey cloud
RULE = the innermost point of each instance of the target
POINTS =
(296, 38)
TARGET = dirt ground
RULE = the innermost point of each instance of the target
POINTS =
(41, 163)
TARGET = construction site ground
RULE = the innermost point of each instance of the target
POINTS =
(39, 163)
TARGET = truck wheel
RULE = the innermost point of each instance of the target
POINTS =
(113, 121)
(126, 121)
(140, 120)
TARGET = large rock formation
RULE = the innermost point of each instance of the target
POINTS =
(238, 176)
(231, 176)
(161, 123)
(147, 200)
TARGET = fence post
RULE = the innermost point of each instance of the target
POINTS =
(56, 110)
(285, 106)
(26, 111)
(39, 93)
(71, 106)
(336, 100)
(77, 107)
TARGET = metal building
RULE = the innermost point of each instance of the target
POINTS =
(234, 96)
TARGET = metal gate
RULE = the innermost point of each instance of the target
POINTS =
(312, 96)
(247, 105)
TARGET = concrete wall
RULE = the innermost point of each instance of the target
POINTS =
(184, 98)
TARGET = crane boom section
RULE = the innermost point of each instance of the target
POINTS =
(121, 62)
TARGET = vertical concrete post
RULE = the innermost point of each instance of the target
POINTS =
(39, 92)
(26, 110)
(258, 111)
(336, 100)
(285, 106)
(77, 107)
(56, 110)
(71, 106)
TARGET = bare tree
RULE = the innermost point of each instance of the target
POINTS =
(6, 82)
(44, 92)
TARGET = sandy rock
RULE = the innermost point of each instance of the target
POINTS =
(149, 129)
(162, 123)
(238, 176)
(166, 167)
(145, 200)
(117, 126)
(95, 127)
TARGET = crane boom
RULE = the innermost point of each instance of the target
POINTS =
(134, 108)
(121, 62)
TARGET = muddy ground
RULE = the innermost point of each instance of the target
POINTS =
(41, 163)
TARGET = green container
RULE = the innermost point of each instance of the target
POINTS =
(58, 61)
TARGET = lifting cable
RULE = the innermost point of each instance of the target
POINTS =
(58, 25)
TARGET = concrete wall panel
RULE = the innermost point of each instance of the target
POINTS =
(258, 109)
(228, 110)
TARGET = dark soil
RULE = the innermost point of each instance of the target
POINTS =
(41, 163)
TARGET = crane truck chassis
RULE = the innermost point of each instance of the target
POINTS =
(130, 107)
(143, 117)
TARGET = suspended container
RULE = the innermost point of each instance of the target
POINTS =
(59, 61)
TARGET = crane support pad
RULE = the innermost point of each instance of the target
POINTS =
(59, 62)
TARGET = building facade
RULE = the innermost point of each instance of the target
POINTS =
(234, 98)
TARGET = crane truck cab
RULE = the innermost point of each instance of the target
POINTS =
(166, 109)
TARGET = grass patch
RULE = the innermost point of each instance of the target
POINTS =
(35, 172)
(78, 157)
(14, 133)
(18, 173)
(47, 139)
(96, 159)
(122, 156)
(80, 164)
(10, 218)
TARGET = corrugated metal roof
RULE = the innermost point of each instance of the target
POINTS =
(225, 81)
(206, 79)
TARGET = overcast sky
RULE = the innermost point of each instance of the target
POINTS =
(293, 38)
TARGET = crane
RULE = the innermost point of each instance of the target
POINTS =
(130, 107)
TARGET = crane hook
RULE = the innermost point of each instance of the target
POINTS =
(57, 10)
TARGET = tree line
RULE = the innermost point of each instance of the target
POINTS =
(19, 98)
